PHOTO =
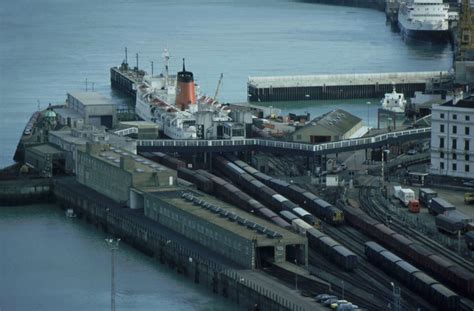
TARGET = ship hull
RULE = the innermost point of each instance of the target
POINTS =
(424, 35)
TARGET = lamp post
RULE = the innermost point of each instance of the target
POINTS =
(368, 114)
(396, 297)
(113, 245)
(296, 275)
(342, 290)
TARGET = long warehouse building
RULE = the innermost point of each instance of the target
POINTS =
(237, 235)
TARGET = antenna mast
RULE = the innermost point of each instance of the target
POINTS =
(166, 59)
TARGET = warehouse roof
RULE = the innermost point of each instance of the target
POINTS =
(337, 121)
(228, 217)
(46, 149)
(90, 98)
(344, 79)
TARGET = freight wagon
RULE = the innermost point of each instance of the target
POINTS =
(443, 269)
(425, 195)
(331, 249)
(452, 222)
(307, 200)
(439, 295)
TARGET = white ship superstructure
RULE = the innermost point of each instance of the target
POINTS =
(171, 103)
(394, 102)
(424, 19)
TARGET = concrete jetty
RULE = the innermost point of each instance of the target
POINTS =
(342, 86)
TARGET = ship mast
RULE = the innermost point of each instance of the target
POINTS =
(166, 59)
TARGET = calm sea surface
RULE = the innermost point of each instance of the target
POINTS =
(50, 47)
(50, 262)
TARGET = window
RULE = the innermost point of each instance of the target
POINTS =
(466, 157)
(467, 118)
(455, 129)
(466, 145)
(454, 156)
(454, 166)
(441, 128)
(441, 155)
(441, 115)
(455, 116)
(454, 143)
(466, 168)
(441, 142)
(466, 130)
(441, 165)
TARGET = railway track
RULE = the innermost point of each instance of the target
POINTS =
(372, 204)
(355, 241)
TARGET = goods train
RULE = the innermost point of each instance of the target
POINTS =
(438, 294)
(332, 250)
(212, 184)
(443, 269)
(265, 194)
(306, 199)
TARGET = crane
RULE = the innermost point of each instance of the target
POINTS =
(218, 89)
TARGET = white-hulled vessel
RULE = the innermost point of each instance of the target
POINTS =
(171, 103)
(424, 19)
(394, 102)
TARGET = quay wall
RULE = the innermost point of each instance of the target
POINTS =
(25, 191)
(146, 236)
(371, 4)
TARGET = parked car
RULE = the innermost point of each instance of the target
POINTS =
(323, 297)
(335, 304)
(412, 152)
(329, 302)
(347, 306)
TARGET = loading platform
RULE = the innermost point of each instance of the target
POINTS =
(342, 86)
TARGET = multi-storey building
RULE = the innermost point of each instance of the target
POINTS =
(452, 138)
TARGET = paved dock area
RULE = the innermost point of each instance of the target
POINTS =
(292, 295)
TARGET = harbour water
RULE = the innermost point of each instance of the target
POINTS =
(50, 47)
(51, 262)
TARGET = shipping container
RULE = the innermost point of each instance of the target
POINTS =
(440, 206)
(449, 224)
(469, 236)
(425, 195)
(406, 195)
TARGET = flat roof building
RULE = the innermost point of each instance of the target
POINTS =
(119, 174)
(242, 237)
(89, 108)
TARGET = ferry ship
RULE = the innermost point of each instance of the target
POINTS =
(392, 110)
(425, 20)
(171, 102)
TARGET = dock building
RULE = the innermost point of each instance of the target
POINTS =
(71, 139)
(334, 125)
(88, 108)
(341, 86)
(45, 158)
(241, 237)
(120, 175)
(452, 142)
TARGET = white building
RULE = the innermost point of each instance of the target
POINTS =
(452, 138)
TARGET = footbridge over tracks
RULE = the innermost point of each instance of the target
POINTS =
(196, 146)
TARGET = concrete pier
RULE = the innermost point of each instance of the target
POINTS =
(25, 191)
(243, 286)
(342, 86)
